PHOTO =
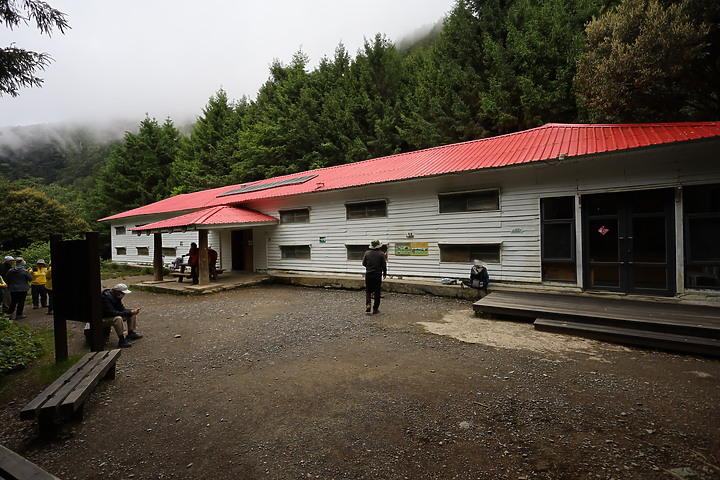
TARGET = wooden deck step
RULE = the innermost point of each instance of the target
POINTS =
(674, 318)
(630, 336)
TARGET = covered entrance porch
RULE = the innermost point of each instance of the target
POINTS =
(237, 220)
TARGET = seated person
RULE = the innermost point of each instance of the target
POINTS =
(479, 277)
(177, 262)
(114, 313)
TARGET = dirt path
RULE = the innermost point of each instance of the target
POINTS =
(293, 383)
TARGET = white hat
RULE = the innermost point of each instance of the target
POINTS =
(374, 244)
(41, 261)
(121, 287)
(8, 258)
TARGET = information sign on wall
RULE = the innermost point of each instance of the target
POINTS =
(411, 249)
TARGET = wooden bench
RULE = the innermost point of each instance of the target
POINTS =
(66, 395)
(15, 467)
(180, 275)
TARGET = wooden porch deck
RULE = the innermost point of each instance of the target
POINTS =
(656, 324)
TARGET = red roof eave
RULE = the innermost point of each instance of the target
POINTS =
(219, 217)
(551, 141)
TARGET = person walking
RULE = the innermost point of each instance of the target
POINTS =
(4, 269)
(375, 271)
(18, 281)
(37, 285)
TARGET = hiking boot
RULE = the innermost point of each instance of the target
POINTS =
(375, 311)
(367, 309)
(134, 336)
(123, 343)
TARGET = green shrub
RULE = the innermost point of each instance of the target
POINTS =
(110, 269)
(36, 251)
(19, 345)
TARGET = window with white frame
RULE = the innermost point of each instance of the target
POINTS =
(298, 215)
(373, 209)
(466, 253)
(475, 201)
(356, 252)
(143, 251)
(120, 230)
(121, 250)
(296, 252)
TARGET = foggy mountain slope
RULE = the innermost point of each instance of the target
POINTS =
(47, 150)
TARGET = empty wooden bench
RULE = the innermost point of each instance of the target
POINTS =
(15, 467)
(64, 398)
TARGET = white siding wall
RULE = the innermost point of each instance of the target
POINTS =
(131, 241)
(413, 207)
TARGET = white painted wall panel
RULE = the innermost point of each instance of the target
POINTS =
(413, 208)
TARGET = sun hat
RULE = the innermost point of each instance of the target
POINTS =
(121, 287)
(8, 258)
(40, 261)
(477, 262)
(375, 244)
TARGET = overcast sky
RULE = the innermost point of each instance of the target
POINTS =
(125, 58)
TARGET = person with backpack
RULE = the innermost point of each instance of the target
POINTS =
(18, 281)
(375, 270)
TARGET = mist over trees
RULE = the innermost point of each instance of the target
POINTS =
(495, 66)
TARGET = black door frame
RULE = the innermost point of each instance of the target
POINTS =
(627, 203)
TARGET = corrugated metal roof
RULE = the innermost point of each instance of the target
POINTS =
(221, 215)
(537, 144)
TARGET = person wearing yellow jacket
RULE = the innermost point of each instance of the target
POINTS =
(48, 287)
(37, 285)
(3, 286)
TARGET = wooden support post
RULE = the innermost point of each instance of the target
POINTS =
(59, 323)
(94, 289)
(203, 267)
(157, 257)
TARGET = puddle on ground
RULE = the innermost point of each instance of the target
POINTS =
(465, 326)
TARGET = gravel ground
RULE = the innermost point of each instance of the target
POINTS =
(280, 382)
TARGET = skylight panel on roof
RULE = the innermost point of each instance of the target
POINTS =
(266, 186)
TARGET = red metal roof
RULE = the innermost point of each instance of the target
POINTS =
(542, 143)
(222, 215)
